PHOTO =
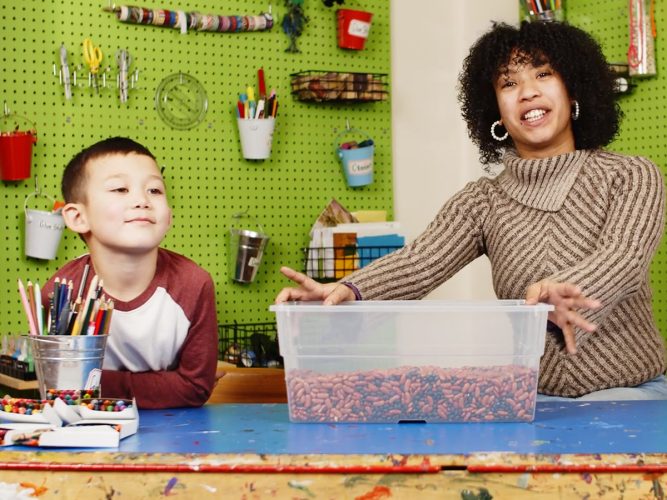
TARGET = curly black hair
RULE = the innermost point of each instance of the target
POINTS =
(570, 51)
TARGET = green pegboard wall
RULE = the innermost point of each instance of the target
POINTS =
(207, 179)
(644, 128)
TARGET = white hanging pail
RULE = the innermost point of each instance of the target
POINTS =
(256, 137)
(43, 231)
(357, 163)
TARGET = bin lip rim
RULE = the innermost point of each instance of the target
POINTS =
(504, 305)
(46, 338)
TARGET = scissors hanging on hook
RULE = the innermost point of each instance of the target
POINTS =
(93, 57)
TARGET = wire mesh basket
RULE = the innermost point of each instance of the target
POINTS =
(249, 345)
(12, 367)
(320, 86)
(328, 264)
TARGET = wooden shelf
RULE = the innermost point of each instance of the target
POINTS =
(249, 385)
(16, 383)
(238, 385)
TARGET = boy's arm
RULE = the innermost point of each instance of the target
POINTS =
(191, 383)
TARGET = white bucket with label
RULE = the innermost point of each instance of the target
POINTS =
(43, 231)
(357, 163)
(256, 137)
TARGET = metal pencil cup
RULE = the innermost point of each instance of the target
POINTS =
(65, 362)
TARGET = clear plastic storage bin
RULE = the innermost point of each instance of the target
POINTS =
(429, 360)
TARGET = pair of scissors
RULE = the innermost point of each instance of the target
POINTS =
(93, 57)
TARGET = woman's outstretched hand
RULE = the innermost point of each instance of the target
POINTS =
(567, 299)
(309, 289)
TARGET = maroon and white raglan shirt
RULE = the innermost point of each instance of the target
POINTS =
(162, 346)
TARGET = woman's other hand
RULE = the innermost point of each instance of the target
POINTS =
(309, 289)
(568, 300)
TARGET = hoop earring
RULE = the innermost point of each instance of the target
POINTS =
(496, 136)
(575, 112)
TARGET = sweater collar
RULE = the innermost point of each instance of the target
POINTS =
(542, 183)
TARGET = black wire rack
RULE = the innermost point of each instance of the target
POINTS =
(327, 264)
(320, 86)
(249, 345)
(15, 368)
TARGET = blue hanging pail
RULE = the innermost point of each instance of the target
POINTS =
(357, 163)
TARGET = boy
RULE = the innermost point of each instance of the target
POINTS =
(162, 345)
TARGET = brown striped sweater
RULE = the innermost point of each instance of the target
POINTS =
(593, 218)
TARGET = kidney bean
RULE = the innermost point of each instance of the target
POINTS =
(430, 393)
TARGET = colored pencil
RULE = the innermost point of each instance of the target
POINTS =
(40, 311)
(107, 320)
(26, 307)
(84, 277)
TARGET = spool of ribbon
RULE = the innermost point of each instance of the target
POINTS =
(192, 20)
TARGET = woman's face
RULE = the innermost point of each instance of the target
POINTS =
(535, 108)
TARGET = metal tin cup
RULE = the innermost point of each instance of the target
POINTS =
(65, 362)
(246, 250)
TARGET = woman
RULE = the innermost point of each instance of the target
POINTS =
(564, 222)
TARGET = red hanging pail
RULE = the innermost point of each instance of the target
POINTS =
(353, 28)
(16, 155)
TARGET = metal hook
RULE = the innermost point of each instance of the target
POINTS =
(347, 124)
(6, 110)
(37, 191)
(238, 215)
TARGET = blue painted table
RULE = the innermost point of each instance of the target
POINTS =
(249, 451)
(558, 428)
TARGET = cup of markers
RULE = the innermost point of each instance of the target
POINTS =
(256, 120)
(542, 10)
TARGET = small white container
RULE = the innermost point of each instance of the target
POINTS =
(43, 230)
(256, 137)
(429, 360)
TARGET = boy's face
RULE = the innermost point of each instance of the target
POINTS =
(126, 208)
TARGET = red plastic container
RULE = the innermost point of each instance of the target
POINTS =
(353, 28)
(16, 155)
